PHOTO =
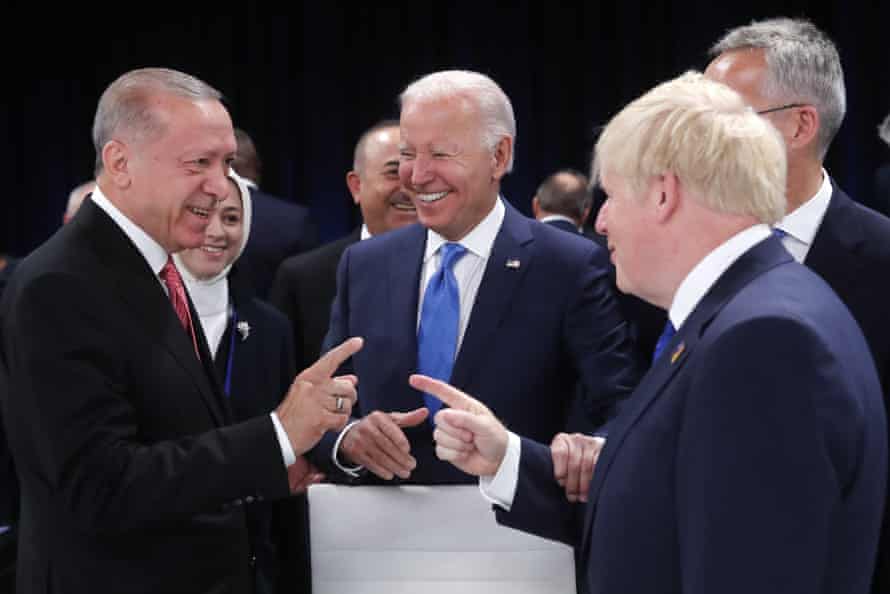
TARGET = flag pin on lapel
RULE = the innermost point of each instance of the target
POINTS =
(678, 352)
(512, 263)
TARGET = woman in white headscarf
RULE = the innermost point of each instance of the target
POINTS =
(252, 347)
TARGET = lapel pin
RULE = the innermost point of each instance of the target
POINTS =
(678, 352)
(511, 263)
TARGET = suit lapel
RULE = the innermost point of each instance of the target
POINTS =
(760, 258)
(833, 254)
(405, 261)
(153, 315)
(510, 258)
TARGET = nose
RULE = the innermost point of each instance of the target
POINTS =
(420, 170)
(217, 183)
(214, 228)
(601, 216)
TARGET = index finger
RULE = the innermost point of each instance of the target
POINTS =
(328, 363)
(447, 394)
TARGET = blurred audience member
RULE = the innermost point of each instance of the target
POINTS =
(280, 228)
(563, 200)
(75, 199)
(305, 285)
(882, 175)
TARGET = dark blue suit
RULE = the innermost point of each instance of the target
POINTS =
(535, 329)
(851, 251)
(751, 458)
(279, 229)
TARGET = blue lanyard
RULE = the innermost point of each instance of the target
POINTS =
(231, 357)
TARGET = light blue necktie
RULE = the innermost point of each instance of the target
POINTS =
(663, 340)
(439, 323)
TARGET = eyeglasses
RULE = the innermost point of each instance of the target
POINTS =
(781, 108)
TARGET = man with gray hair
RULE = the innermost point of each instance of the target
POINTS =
(133, 476)
(753, 455)
(563, 200)
(502, 305)
(790, 72)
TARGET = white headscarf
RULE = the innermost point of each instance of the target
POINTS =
(211, 296)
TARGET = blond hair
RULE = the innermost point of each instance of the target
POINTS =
(702, 132)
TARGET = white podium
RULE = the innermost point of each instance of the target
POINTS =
(438, 540)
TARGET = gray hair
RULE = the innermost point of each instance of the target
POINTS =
(565, 192)
(804, 66)
(125, 108)
(493, 104)
(884, 130)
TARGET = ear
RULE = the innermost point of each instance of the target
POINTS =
(116, 163)
(805, 127)
(536, 208)
(667, 190)
(354, 183)
(501, 157)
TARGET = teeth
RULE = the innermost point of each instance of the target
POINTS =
(432, 197)
(201, 212)
(403, 206)
(212, 249)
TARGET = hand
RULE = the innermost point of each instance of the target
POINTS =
(317, 402)
(468, 434)
(574, 458)
(302, 474)
(378, 443)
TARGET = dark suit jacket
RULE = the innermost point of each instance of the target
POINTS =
(130, 477)
(304, 289)
(751, 458)
(259, 366)
(278, 229)
(851, 251)
(533, 332)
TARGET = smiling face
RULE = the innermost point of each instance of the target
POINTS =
(375, 184)
(222, 239)
(451, 177)
(169, 183)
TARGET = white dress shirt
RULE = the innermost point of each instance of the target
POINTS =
(500, 489)
(156, 256)
(801, 225)
(468, 272)
(559, 217)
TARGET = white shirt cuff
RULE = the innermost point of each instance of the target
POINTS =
(500, 489)
(287, 451)
(352, 471)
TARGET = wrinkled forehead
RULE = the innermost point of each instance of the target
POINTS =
(450, 120)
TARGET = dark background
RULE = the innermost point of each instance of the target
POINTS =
(307, 81)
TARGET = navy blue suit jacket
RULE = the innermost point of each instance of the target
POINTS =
(851, 251)
(279, 229)
(751, 458)
(534, 331)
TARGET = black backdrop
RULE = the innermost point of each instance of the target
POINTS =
(307, 81)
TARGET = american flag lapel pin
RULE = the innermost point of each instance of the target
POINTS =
(678, 352)
(513, 263)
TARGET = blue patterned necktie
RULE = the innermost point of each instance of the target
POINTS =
(663, 340)
(439, 323)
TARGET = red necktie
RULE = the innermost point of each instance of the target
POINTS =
(176, 290)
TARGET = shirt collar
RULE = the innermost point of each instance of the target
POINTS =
(478, 241)
(704, 274)
(151, 250)
(558, 217)
(803, 222)
(365, 233)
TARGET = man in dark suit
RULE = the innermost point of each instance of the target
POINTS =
(531, 310)
(563, 200)
(281, 228)
(132, 476)
(790, 72)
(305, 284)
(753, 455)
